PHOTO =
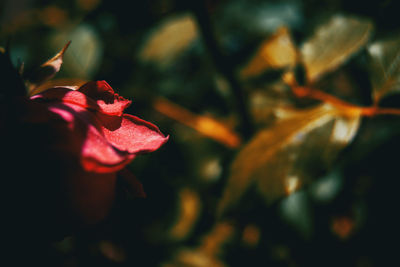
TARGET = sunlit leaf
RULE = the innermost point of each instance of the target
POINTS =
(205, 125)
(283, 157)
(276, 52)
(65, 82)
(385, 67)
(169, 40)
(194, 258)
(46, 71)
(212, 243)
(333, 43)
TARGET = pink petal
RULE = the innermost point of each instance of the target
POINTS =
(132, 134)
(92, 95)
(108, 101)
(107, 140)
(100, 156)
(68, 96)
(96, 152)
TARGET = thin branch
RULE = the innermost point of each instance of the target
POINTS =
(223, 66)
(305, 92)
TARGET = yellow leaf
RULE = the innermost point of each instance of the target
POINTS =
(208, 252)
(288, 154)
(276, 52)
(385, 67)
(189, 209)
(333, 43)
(170, 39)
(72, 83)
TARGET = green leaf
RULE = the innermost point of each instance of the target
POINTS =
(85, 54)
(384, 67)
(333, 43)
(283, 157)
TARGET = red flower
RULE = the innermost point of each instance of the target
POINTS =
(99, 140)
(63, 150)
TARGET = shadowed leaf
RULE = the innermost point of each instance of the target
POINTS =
(385, 67)
(46, 71)
(281, 158)
(333, 43)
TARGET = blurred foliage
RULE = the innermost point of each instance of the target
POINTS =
(385, 67)
(314, 184)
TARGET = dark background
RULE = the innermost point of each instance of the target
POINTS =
(176, 225)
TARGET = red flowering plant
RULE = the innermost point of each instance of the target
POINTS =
(64, 148)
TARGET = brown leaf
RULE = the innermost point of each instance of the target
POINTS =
(343, 226)
(46, 71)
(112, 252)
(208, 253)
(384, 67)
(251, 235)
(333, 43)
(205, 125)
(288, 154)
(276, 52)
